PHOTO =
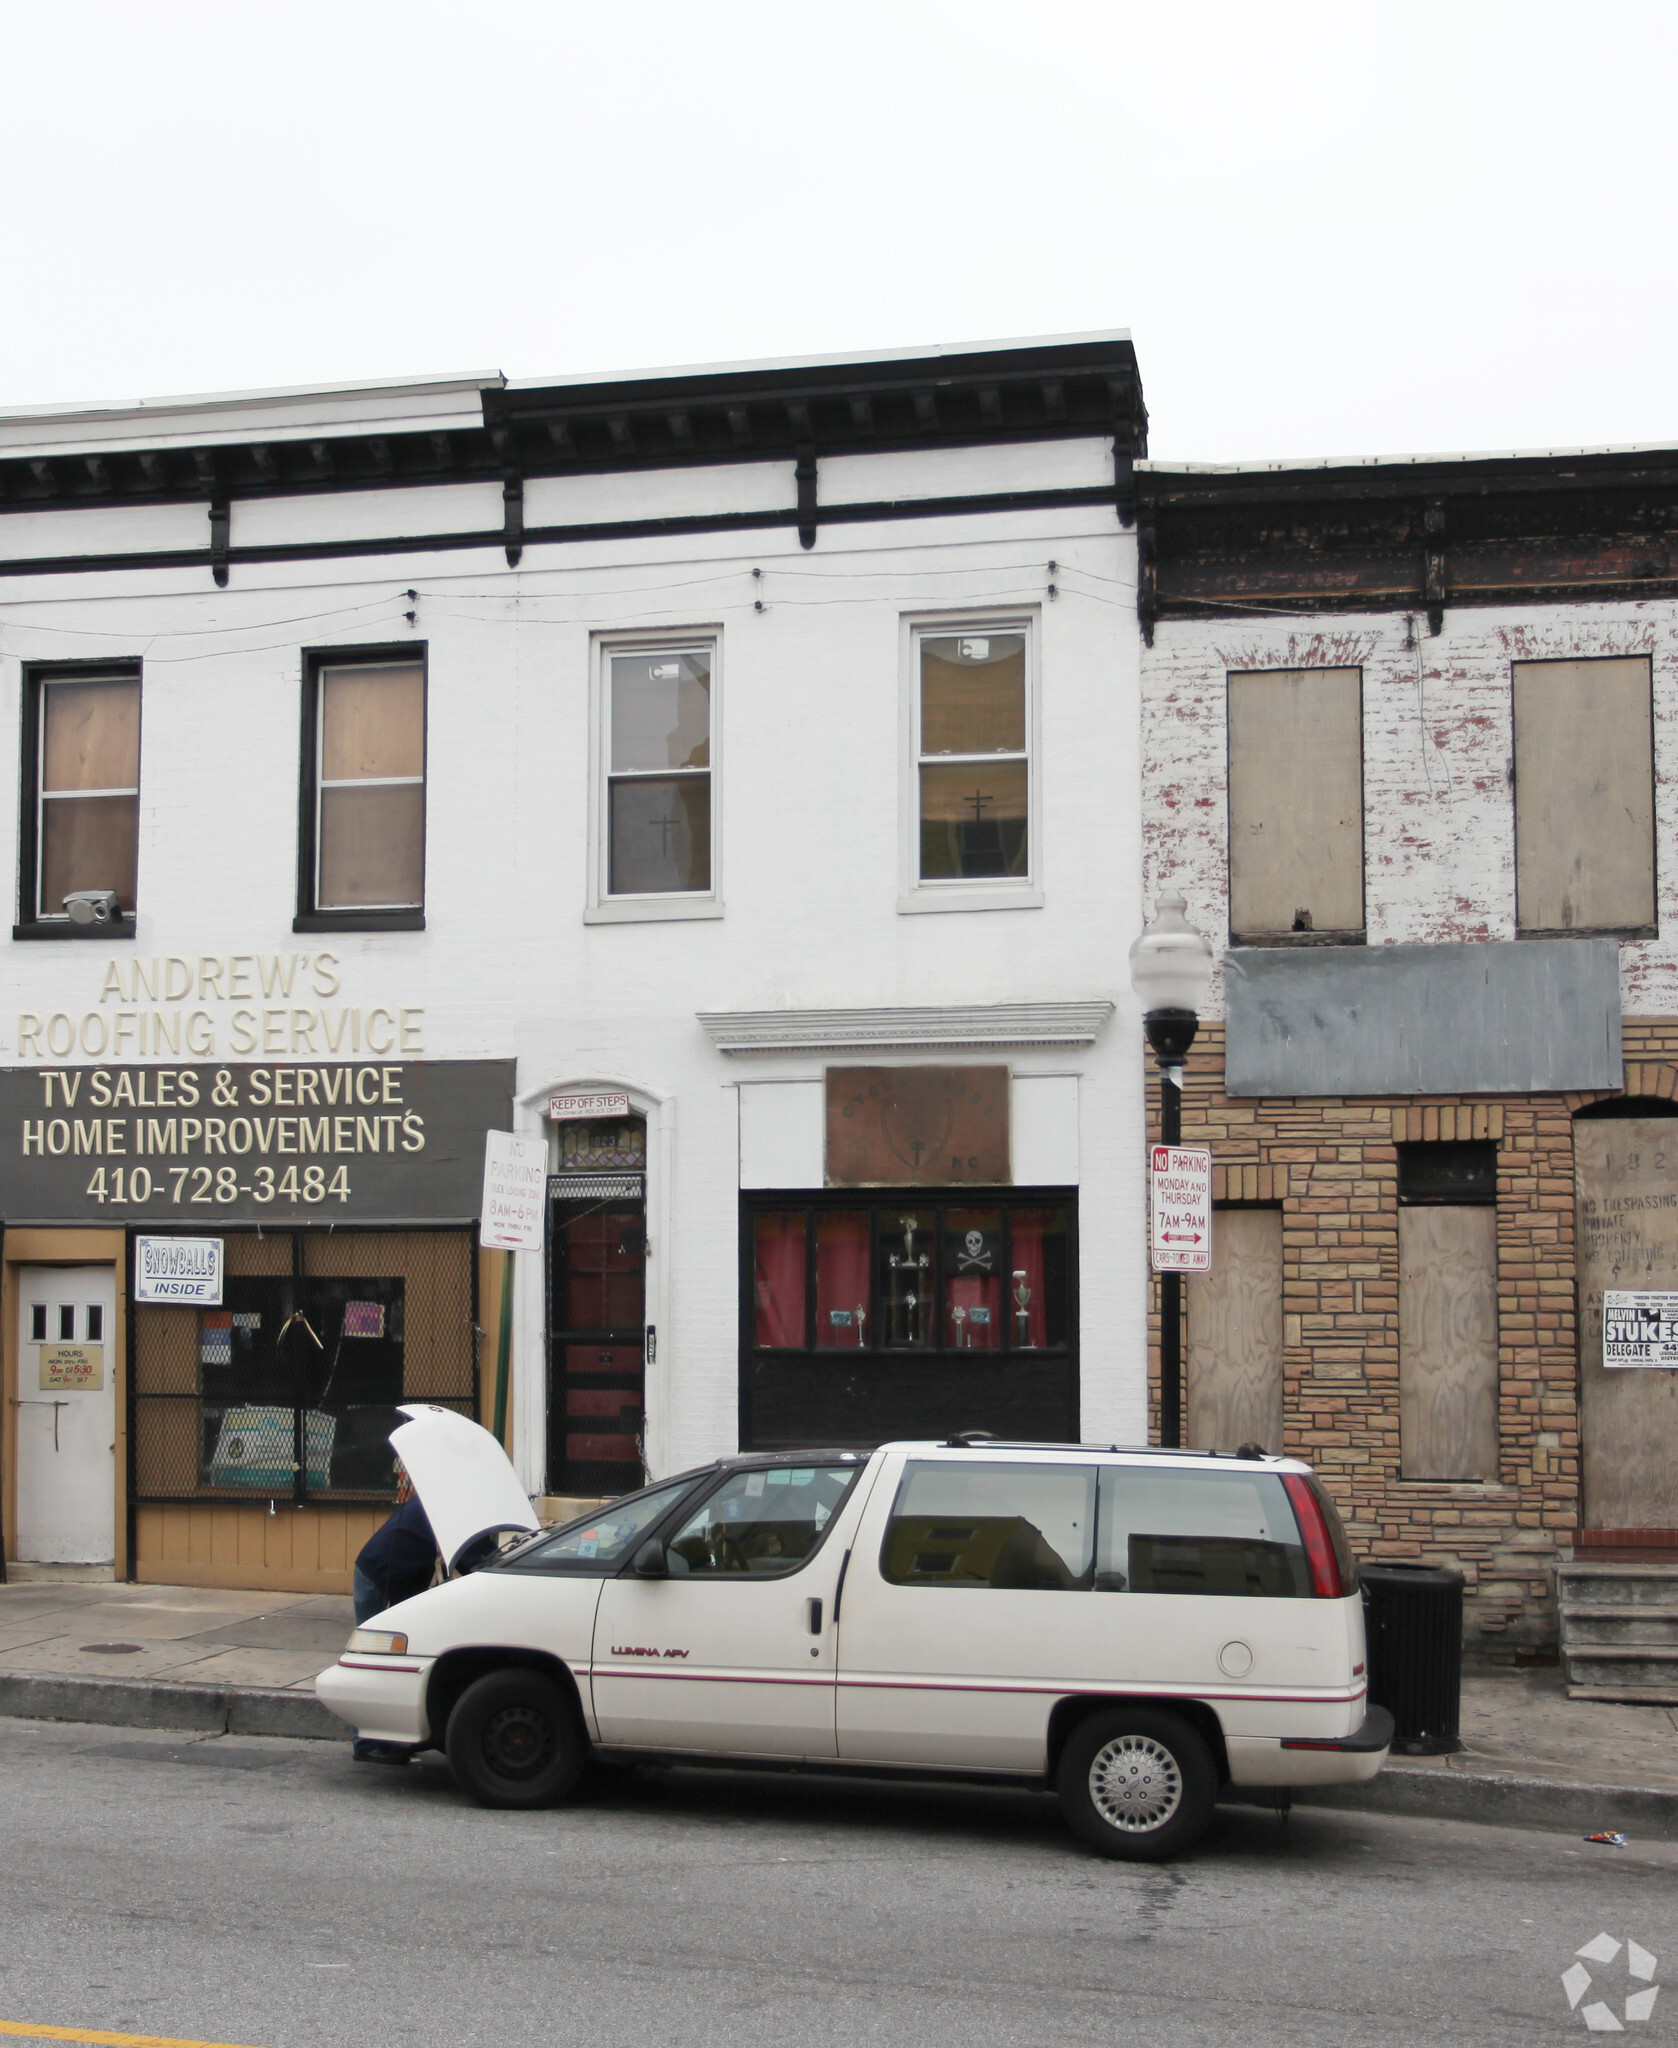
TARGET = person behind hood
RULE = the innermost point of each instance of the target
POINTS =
(399, 1558)
(396, 1562)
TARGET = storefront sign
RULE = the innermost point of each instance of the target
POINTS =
(73, 1365)
(515, 1192)
(178, 1269)
(917, 1126)
(1180, 1208)
(339, 1142)
(570, 1109)
(1639, 1329)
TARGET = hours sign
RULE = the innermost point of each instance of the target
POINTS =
(1180, 1208)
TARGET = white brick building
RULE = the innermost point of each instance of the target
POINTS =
(454, 747)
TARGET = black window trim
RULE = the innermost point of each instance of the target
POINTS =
(30, 924)
(310, 917)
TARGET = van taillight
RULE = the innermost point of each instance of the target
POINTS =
(1314, 1532)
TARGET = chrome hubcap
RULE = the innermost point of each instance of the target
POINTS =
(1136, 1784)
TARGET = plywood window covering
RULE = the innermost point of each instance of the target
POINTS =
(1235, 1336)
(1447, 1336)
(1295, 802)
(87, 789)
(658, 770)
(243, 1403)
(1584, 796)
(972, 761)
(370, 787)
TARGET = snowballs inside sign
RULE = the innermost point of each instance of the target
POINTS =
(1180, 1208)
(515, 1183)
(178, 1269)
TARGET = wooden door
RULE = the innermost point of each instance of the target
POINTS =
(1235, 1335)
(1447, 1342)
(1627, 1177)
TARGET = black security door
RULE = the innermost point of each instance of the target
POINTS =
(597, 1338)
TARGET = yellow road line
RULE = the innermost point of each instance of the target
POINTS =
(104, 2034)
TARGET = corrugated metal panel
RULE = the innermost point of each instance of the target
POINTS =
(1525, 1017)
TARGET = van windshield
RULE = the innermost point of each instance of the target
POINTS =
(602, 1540)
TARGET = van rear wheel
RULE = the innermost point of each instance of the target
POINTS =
(515, 1740)
(1136, 1783)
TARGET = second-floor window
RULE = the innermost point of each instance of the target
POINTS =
(1296, 803)
(658, 760)
(368, 772)
(1584, 796)
(85, 806)
(972, 761)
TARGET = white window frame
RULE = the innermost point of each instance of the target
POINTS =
(323, 669)
(603, 907)
(1012, 892)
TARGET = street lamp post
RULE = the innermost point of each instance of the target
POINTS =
(1170, 970)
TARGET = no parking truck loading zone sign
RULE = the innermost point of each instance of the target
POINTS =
(1639, 1329)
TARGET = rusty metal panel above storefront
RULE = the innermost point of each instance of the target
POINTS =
(1521, 1017)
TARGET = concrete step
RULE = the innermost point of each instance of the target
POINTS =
(1617, 1585)
(1584, 1628)
(1645, 1667)
(1627, 1695)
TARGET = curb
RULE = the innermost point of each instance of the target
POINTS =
(165, 1703)
(1489, 1798)
(1505, 1799)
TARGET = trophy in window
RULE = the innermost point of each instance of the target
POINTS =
(906, 1267)
(958, 1316)
(1022, 1310)
(861, 1319)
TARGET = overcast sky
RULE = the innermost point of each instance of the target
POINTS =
(1348, 228)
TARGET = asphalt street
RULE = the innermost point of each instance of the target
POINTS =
(274, 1894)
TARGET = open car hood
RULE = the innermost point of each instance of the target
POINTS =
(463, 1477)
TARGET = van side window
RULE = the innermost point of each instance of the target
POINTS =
(766, 1523)
(1166, 1531)
(1012, 1527)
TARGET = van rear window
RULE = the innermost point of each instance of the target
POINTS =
(1226, 1532)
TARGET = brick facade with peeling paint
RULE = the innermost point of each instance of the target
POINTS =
(1439, 866)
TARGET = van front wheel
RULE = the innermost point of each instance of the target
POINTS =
(1137, 1784)
(514, 1739)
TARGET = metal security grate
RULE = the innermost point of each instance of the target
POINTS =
(290, 1388)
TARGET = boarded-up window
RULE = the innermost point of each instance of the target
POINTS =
(1584, 796)
(1235, 1336)
(1295, 801)
(1447, 1336)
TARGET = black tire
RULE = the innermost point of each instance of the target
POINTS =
(515, 1740)
(1137, 1783)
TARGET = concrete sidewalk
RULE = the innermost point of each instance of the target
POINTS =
(188, 1657)
(169, 1656)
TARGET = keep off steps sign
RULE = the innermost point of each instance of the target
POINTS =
(1180, 1208)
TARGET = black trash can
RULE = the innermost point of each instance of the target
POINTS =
(1413, 1616)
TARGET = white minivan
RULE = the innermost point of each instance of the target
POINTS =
(1138, 1628)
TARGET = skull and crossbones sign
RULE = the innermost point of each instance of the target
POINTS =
(974, 1253)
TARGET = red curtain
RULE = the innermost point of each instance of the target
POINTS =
(1028, 1331)
(842, 1279)
(780, 1279)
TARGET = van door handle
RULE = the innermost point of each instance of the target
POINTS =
(814, 1608)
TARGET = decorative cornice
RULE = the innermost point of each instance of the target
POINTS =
(919, 1029)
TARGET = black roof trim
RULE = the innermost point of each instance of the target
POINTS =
(1046, 391)
(1407, 536)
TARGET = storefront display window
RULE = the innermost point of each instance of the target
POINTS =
(291, 1387)
(869, 1318)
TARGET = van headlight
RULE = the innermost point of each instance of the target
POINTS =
(375, 1642)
